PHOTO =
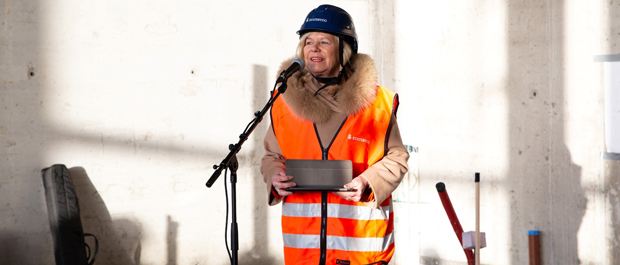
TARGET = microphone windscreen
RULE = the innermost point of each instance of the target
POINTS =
(300, 62)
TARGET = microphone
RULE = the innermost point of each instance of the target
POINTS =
(297, 65)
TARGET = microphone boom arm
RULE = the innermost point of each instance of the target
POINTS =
(235, 148)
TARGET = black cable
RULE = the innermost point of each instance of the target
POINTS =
(226, 225)
(245, 131)
(87, 252)
(94, 255)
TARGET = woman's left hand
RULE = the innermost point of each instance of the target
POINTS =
(358, 185)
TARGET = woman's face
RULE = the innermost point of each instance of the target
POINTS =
(321, 54)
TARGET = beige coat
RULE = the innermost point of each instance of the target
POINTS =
(327, 110)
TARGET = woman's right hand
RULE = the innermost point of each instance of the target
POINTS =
(280, 182)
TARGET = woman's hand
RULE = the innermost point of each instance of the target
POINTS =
(358, 185)
(280, 181)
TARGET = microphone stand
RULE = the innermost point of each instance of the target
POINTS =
(231, 162)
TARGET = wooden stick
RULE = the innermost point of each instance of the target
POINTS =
(477, 218)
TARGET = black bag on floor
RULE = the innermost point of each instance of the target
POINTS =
(64, 217)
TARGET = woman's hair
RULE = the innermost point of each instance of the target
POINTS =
(346, 50)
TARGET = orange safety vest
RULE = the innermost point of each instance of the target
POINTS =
(321, 227)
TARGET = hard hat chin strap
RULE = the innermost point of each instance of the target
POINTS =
(328, 81)
(341, 51)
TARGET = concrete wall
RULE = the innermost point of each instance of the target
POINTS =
(140, 98)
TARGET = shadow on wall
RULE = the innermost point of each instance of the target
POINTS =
(432, 257)
(612, 167)
(119, 239)
(260, 250)
(8, 252)
(544, 184)
(568, 207)
(171, 240)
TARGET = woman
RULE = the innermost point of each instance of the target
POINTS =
(334, 109)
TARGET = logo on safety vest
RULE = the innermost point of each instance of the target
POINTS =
(342, 262)
(358, 139)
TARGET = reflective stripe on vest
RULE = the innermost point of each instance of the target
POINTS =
(354, 232)
(360, 244)
(336, 211)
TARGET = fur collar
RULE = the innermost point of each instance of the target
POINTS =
(352, 96)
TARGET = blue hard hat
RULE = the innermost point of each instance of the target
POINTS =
(333, 20)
